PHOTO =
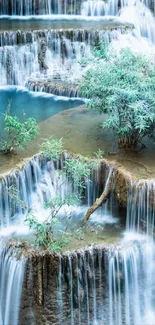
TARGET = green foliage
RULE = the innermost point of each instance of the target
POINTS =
(79, 170)
(57, 202)
(79, 234)
(17, 134)
(44, 231)
(15, 196)
(102, 51)
(52, 148)
(84, 61)
(41, 230)
(99, 154)
(58, 244)
(123, 87)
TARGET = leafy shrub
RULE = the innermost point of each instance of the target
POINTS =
(99, 154)
(124, 88)
(52, 148)
(79, 170)
(17, 134)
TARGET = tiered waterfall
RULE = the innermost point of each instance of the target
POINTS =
(100, 284)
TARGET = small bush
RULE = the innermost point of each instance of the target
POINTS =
(17, 134)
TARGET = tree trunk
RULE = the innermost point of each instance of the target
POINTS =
(102, 199)
(126, 142)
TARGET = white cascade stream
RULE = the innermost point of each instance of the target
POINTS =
(37, 183)
(12, 272)
(128, 293)
(115, 287)
(71, 7)
(42, 55)
(47, 55)
(132, 266)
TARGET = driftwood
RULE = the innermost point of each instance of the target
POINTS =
(102, 199)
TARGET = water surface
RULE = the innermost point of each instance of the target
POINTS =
(58, 22)
(40, 106)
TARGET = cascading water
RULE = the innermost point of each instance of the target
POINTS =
(128, 293)
(83, 271)
(94, 8)
(140, 212)
(136, 12)
(47, 55)
(56, 54)
(52, 54)
(131, 268)
(37, 7)
(131, 283)
(71, 7)
(37, 182)
(115, 287)
(12, 272)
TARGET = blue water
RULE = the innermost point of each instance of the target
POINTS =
(57, 22)
(24, 104)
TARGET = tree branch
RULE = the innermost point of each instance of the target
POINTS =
(102, 199)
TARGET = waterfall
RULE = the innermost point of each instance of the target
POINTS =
(47, 55)
(80, 274)
(12, 272)
(139, 14)
(18, 63)
(131, 284)
(112, 286)
(114, 7)
(70, 7)
(141, 210)
(37, 183)
(136, 12)
(55, 88)
(37, 7)
(132, 266)
(96, 285)
(94, 8)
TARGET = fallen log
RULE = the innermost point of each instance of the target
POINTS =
(102, 199)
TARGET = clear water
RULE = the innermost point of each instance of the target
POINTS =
(58, 22)
(25, 104)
